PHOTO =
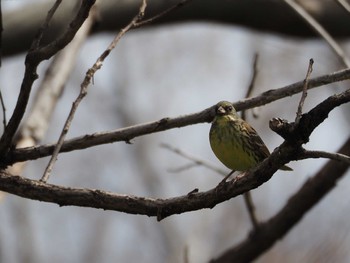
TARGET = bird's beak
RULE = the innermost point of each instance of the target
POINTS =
(221, 110)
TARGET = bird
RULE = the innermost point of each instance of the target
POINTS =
(234, 141)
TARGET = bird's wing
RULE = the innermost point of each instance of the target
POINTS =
(255, 140)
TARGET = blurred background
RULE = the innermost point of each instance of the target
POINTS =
(167, 71)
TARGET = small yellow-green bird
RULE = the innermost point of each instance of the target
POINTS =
(234, 142)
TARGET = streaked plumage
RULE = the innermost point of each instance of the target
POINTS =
(234, 142)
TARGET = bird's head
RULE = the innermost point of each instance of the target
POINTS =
(224, 108)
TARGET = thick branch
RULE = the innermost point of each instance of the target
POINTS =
(319, 113)
(308, 122)
(159, 208)
(33, 59)
(297, 206)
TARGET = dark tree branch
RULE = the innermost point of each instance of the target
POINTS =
(47, 95)
(33, 59)
(128, 133)
(161, 14)
(312, 191)
(308, 122)
(52, 86)
(3, 107)
(297, 206)
(159, 208)
(37, 40)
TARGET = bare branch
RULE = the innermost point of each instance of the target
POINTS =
(4, 121)
(161, 14)
(194, 159)
(248, 200)
(321, 154)
(33, 59)
(252, 82)
(321, 31)
(304, 93)
(159, 208)
(84, 86)
(45, 25)
(289, 90)
(52, 86)
(296, 134)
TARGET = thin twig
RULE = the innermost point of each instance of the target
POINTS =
(4, 121)
(195, 160)
(36, 42)
(183, 168)
(320, 30)
(83, 89)
(304, 93)
(248, 199)
(322, 154)
(165, 12)
(252, 81)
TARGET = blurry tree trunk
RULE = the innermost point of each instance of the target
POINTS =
(262, 15)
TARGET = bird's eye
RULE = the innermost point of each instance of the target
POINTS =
(229, 108)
